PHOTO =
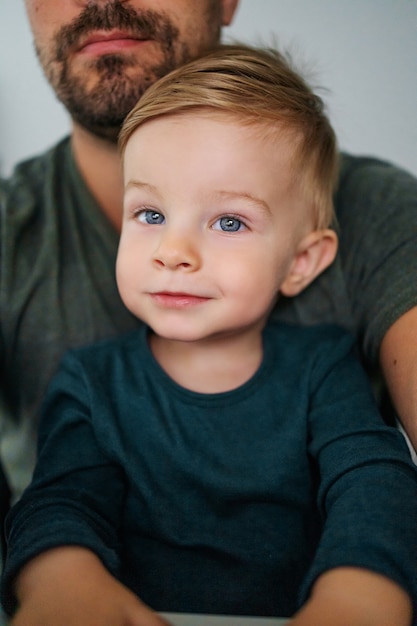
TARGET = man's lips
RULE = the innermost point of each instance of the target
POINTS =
(172, 300)
(106, 42)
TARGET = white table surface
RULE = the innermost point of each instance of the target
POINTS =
(187, 619)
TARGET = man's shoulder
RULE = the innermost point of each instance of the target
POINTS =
(32, 179)
(356, 164)
(31, 167)
(366, 181)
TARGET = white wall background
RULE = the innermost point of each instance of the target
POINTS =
(363, 51)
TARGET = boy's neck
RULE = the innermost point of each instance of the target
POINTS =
(210, 366)
(99, 163)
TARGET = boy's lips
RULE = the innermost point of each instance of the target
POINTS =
(173, 300)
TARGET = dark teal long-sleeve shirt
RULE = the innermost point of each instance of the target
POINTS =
(220, 503)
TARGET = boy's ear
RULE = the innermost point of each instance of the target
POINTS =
(315, 252)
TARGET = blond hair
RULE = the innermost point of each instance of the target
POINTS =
(260, 88)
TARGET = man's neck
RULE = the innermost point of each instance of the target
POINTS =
(99, 164)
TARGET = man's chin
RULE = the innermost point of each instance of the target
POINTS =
(102, 112)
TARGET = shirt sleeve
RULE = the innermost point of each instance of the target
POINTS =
(367, 485)
(76, 494)
(376, 205)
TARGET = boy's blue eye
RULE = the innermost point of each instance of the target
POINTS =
(229, 224)
(147, 216)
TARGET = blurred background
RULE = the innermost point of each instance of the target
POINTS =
(364, 52)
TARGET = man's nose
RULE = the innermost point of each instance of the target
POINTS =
(177, 251)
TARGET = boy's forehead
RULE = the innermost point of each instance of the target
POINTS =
(216, 152)
(208, 127)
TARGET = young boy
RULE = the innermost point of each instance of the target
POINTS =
(213, 462)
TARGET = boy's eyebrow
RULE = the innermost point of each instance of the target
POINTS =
(140, 185)
(242, 195)
(223, 195)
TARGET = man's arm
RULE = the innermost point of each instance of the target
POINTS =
(376, 206)
(398, 356)
(349, 596)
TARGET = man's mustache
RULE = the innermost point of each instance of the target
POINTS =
(113, 16)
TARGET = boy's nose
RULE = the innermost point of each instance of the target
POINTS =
(177, 252)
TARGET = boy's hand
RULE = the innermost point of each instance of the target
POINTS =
(349, 596)
(69, 586)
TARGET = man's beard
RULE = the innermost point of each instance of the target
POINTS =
(102, 109)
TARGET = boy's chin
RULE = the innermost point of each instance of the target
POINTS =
(184, 333)
(179, 337)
